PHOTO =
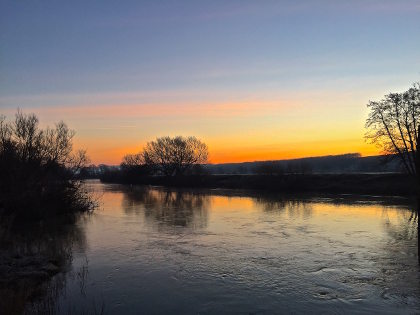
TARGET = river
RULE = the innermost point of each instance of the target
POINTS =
(156, 250)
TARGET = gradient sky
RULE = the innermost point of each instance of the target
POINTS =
(255, 80)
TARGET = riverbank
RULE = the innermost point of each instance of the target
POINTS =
(366, 184)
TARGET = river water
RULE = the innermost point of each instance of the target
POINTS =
(157, 250)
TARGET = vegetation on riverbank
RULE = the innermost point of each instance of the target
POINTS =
(38, 170)
(40, 199)
(367, 184)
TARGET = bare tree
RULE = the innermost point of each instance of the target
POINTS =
(134, 165)
(174, 156)
(44, 146)
(38, 168)
(133, 160)
(393, 125)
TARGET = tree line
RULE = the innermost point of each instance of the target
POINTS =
(392, 125)
(38, 166)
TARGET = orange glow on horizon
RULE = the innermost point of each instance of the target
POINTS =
(114, 154)
(239, 131)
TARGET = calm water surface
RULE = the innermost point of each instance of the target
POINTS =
(154, 250)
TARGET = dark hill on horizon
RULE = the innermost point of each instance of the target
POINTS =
(350, 163)
(335, 174)
(330, 164)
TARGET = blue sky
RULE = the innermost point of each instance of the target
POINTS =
(310, 53)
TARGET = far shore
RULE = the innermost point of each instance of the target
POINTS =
(363, 184)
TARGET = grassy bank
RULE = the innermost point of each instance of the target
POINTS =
(367, 184)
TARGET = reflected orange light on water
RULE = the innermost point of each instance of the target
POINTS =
(350, 221)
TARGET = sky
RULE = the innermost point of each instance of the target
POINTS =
(255, 80)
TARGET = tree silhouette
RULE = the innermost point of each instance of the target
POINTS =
(38, 169)
(174, 156)
(393, 125)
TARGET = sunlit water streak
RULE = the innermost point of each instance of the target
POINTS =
(155, 250)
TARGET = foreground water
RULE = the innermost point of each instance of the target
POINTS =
(154, 250)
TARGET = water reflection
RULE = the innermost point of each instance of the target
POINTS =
(34, 264)
(240, 252)
(405, 229)
(171, 208)
(291, 207)
(399, 257)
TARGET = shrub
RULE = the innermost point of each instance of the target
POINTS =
(38, 168)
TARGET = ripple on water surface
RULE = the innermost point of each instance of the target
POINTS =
(155, 250)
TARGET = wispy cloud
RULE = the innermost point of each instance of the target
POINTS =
(141, 111)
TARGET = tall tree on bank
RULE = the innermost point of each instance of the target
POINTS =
(174, 156)
(393, 125)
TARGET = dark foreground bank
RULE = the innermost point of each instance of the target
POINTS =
(372, 184)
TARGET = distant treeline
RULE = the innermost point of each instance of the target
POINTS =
(334, 164)
(365, 184)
